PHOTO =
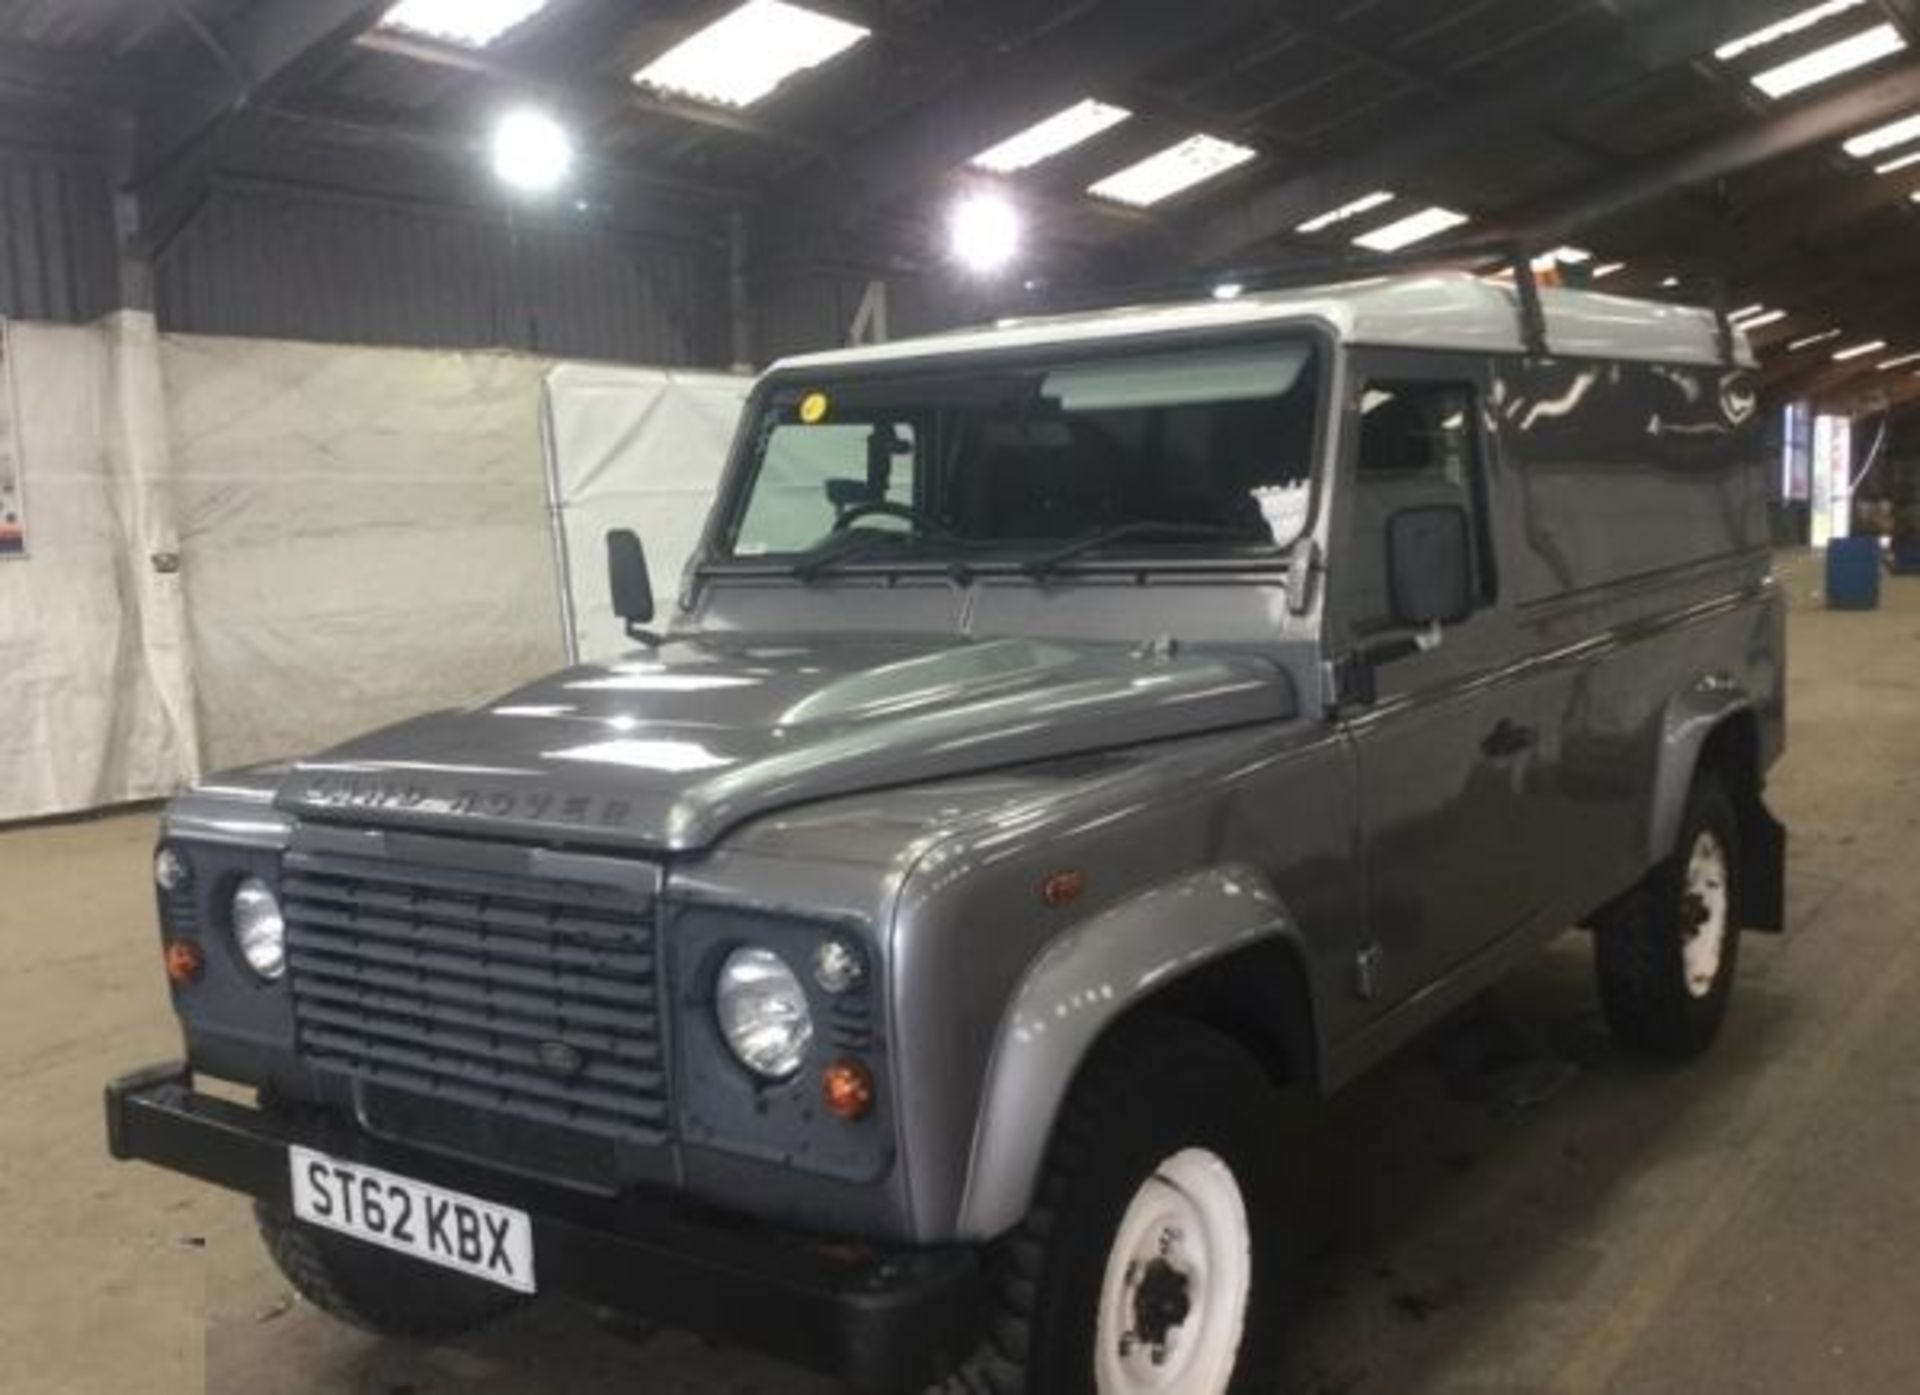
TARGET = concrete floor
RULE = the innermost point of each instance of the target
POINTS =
(1520, 1209)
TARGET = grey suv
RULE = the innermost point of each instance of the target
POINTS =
(1069, 738)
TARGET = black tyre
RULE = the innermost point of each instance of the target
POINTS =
(376, 1290)
(1666, 952)
(1153, 1255)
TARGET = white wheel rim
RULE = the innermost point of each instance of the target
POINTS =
(1173, 1303)
(1704, 909)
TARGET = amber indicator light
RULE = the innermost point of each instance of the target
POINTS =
(1063, 888)
(184, 962)
(847, 1087)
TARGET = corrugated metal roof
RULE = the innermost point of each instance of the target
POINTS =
(57, 259)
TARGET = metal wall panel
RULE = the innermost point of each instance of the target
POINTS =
(57, 259)
(294, 264)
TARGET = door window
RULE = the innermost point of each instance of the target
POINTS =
(1419, 446)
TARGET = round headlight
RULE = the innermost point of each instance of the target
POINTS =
(763, 1013)
(259, 929)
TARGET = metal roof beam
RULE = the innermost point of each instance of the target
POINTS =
(1653, 35)
(1894, 93)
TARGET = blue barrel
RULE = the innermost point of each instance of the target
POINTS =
(1853, 574)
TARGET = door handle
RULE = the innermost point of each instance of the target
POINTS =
(1509, 738)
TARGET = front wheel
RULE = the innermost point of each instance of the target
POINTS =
(1151, 1260)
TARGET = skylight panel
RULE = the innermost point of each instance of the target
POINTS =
(468, 23)
(1872, 346)
(1894, 133)
(1825, 64)
(1347, 211)
(1173, 171)
(1419, 227)
(744, 56)
(1060, 132)
(1786, 28)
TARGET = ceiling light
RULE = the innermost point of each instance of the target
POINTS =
(1884, 137)
(1561, 256)
(1417, 228)
(1860, 351)
(1771, 317)
(1786, 28)
(468, 23)
(1172, 171)
(1825, 336)
(740, 58)
(1900, 362)
(1895, 166)
(1823, 64)
(1379, 199)
(1229, 290)
(984, 233)
(1747, 313)
(1606, 269)
(1044, 140)
(531, 151)
(1670, 283)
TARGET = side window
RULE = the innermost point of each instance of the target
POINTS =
(806, 467)
(1419, 446)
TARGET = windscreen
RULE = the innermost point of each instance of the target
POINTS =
(1204, 452)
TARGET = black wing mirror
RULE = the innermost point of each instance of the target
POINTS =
(627, 577)
(1430, 566)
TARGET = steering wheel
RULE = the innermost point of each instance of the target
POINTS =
(886, 508)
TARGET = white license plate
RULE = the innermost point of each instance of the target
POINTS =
(450, 1229)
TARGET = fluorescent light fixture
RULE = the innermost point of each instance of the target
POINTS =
(1747, 313)
(1606, 269)
(743, 56)
(531, 151)
(1078, 124)
(1419, 227)
(1378, 199)
(1786, 28)
(1825, 336)
(1561, 256)
(1860, 351)
(1895, 166)
(1824, 64)
(468, 23)
(1172, 171)
(1884, 137)
(1900, 362)
(984, 233)
(1771, 317)
(1670, 283)
(1229, 290)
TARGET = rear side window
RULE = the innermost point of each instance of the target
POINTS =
(1418, 447)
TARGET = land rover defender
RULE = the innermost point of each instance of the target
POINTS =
(1068, 738)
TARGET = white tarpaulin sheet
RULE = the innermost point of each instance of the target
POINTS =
(364, 535)
(631, 448)
(94, 706)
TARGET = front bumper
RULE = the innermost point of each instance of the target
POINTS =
(882, 1320)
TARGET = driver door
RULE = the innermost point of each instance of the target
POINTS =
(1444, 734)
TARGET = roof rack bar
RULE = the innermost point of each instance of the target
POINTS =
(1723, 323)
(1533, 314)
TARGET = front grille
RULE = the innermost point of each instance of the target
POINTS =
(526, 997)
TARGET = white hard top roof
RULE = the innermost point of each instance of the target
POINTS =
(1437, 310)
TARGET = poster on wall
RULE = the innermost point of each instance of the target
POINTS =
(13, 488)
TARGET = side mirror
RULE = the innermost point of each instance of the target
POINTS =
(1430, 566)
(627, 577)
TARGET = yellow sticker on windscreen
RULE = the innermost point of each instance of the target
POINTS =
(813, 408)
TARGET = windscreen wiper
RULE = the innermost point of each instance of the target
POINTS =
(1147, 528)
